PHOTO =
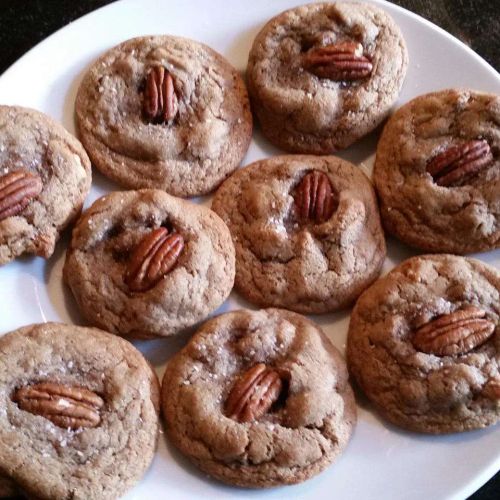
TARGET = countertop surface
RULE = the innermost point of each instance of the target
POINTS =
(24, 23)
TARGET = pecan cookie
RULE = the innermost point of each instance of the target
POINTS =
(259, 399)
(45, 176)
(164, 112)
(78, 412)
(437, 172)
(322, 75)
(306, 230)
(424, 344)
(144, 264)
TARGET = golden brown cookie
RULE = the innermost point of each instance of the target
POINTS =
(322, 75)
(306, 230)
(424, 344)
(437, 172)
(259, 399)
(144, 264)
(45, 176)
(78, 412)
(164, 112)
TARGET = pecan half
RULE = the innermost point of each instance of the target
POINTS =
(160, 103)
(65, 406)
(339, 61)
(455, 333)
(154, 257)
(459, 162)
(17, 189)
(314, 198)
(492, 389)
(253, 394)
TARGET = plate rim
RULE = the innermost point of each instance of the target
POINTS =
(383, 3)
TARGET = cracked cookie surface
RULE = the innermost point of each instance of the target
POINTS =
(420, 391)
(306, 267)
(302, 113)
(32, 142)
(190, 156)
(102, 247)
(463, 218)
(51, 462)
(297, 438)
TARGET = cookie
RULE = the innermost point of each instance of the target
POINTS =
(144, 264)
(424, 344)
(45, 176)
(323, 75)
(259, 399)
(164, 112)
(306, 230)
(437, 172)
(79, 412)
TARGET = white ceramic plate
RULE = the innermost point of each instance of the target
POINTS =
(381, 461)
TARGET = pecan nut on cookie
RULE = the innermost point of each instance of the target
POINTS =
(306, 229)
(259, 399)
(323, 75)
(424, 344)
(45, 176)
(437, 172)
(144, 264)
(164, 112)
(79, 413)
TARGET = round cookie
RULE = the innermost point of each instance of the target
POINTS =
(305, 423)
(437, 172)
(205, 125)
(424, 344)
(307, 262)
(45, 176)
(107, 263)
(79, 412)
(323, 75)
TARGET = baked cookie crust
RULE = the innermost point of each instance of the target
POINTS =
(416, 388)
(33, 144)
(299, 438)
(102, 249)
(49, 461)
(306, 266)
(201, 145)
(302, 112)
(460, 218)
